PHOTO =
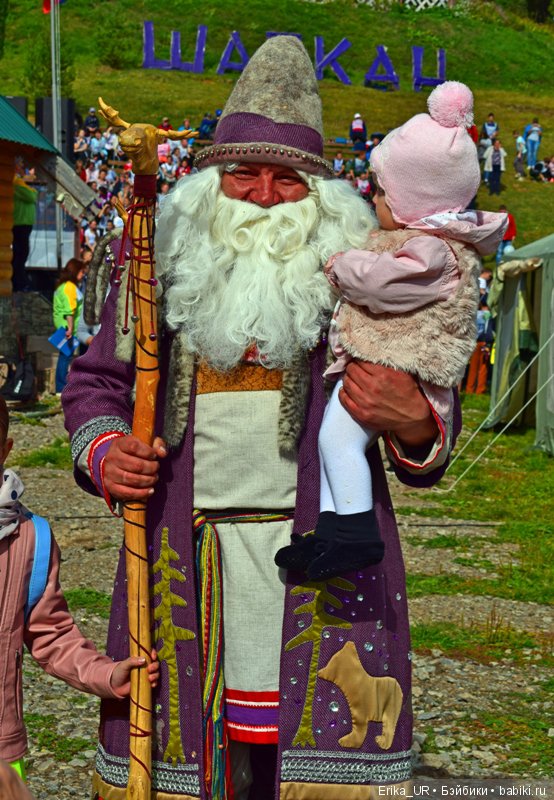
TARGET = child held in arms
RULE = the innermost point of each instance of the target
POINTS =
(407, 301)
(35, 614)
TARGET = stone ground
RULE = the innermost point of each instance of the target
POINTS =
(450, 695)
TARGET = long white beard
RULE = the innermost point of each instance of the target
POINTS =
(236, 274)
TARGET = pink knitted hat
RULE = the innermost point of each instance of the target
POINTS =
(429, 165)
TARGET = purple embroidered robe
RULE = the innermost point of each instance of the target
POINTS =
(328, 736)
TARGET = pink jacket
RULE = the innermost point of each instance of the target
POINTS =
(50, 634)
(409, 300)
(423, 269)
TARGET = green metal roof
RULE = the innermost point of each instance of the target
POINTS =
(15, 128)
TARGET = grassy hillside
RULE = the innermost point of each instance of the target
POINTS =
(489, 46)
(493, 48)
(506, 59)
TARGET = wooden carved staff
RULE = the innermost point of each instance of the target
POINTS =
(140, 143)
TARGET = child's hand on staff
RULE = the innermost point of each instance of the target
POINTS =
(121, 676)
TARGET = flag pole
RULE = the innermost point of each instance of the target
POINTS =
(56, 111)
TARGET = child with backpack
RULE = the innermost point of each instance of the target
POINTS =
(33, 612)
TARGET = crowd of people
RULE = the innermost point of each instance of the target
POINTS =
(100, 163)
(526, 163)
(356, 167)
(493, 157)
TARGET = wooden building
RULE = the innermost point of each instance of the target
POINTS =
(19, 138)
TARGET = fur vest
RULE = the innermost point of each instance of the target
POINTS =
(434, 342)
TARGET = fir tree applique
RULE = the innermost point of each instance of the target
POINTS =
(320, 619)
(171, 634)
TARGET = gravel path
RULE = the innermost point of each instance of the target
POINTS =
(450, 695)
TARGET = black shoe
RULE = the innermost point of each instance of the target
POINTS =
(305, 548)
(326, 527)
(300, 553)
(340, 557)
(357, 544)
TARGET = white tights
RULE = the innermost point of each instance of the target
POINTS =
(346, 485)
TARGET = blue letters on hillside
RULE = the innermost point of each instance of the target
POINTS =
(330, 60)
(234, 43)
(417, 69)
(382, 62)
(381, 69)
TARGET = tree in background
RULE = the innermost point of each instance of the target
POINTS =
(539, 10)
(3, 15)
(122, 51)
(37, 73)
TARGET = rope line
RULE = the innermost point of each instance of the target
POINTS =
(144, 350)
(142, 708)
(504, 396)
(139, 733)
(140, 648)
(134, 524)
(490, 444)
(142, 254)
(142, 764)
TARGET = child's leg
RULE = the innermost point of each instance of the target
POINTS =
(351, 535)
(326, 502)
(342, 445)
(303, 549)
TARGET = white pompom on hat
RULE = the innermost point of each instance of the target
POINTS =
(429, 165)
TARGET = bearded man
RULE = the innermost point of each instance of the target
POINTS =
(317, 675)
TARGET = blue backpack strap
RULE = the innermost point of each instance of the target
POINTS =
(41, 562)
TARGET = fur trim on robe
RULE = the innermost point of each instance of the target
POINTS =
(292, 408)
(98, 278)
(179, 385)
(124, 342)
(434, 342)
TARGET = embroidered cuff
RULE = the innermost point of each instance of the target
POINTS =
(95, 454)
(94, 428)
(419, 460)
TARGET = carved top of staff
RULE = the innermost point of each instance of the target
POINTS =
(140, 140)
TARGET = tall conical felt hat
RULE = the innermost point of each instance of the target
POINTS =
(273, 114)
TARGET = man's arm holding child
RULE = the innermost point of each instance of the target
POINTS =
(418, 439)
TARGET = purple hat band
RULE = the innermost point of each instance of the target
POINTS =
(244, 128)
(255, 138)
